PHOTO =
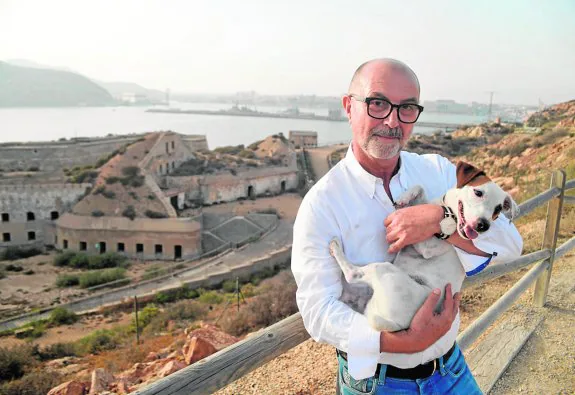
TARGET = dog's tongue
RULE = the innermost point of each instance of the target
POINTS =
(470, 233)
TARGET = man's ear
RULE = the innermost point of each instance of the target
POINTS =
(469, 174)
(346, 103)
(510, 208)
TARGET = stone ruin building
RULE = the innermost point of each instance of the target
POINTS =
(128, 201)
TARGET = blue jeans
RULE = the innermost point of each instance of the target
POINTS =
(452, 377)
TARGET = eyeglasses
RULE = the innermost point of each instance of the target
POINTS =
(380, 108)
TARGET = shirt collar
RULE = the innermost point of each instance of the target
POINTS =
(367, 180)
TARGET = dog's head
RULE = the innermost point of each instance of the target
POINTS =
(477, 201)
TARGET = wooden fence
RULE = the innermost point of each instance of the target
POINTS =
(230, 364)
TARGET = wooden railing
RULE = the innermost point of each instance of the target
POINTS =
(230, 364)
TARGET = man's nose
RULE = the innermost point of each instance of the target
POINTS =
(392, 121)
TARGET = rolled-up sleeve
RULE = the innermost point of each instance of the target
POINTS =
(326, 318)
(503, 243)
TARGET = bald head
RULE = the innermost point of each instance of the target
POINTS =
(357, 81)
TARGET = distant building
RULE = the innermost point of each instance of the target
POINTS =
(303, 139)
(134, 98)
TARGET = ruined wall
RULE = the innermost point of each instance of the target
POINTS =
(53, 156)
(34, 208)
(219, 189)
(226, 187)
(149, 233)
(195, 142)
(167, 154)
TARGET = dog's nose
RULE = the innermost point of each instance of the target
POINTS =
(482, 225)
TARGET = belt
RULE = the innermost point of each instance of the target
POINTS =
(417, 372)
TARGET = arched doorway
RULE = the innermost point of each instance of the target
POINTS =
(251, 193)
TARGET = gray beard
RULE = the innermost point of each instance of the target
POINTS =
(380, 150)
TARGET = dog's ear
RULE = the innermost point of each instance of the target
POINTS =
(510, 208)
(470, 175)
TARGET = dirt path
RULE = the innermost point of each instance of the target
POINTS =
(545, 365)
(318, 159)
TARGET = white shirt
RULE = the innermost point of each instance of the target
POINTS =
(351, 204)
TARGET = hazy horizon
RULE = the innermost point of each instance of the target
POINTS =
(522, 50)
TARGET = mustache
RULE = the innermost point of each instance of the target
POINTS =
(390, 132)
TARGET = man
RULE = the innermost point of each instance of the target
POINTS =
(355, 202)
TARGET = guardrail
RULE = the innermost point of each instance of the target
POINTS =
(230, 364)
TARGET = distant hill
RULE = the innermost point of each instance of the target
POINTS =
(36, 87)
(117, 89)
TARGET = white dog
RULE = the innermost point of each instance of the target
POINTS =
(389, 294)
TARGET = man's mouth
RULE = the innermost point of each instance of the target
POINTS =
(394, 133)
(465, 230)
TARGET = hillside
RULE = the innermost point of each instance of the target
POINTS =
(520, 159)
(34, 87)
(120, 188)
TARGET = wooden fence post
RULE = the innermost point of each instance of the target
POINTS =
(554, 209)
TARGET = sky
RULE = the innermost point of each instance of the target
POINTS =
(523, 50)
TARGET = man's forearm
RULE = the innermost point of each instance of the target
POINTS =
(397, 342)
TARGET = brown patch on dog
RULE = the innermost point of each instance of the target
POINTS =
(470, 175)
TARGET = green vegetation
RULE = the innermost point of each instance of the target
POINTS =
(61, 316)
(97, 213)
(13, 268)
(254, 146)
(186, 311)
(80, 260)
(98, 341)
(160, 270)
(97, 277)
(13, 253)
(154, 214)
(145, 316)
(183, 292)
(91, 278)
(129, 212)
(210, 297)
(35, 382)
(79, 175)
(67, 280)
(230, 149)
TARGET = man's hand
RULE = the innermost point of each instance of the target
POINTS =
(411, 225)
(426, 327)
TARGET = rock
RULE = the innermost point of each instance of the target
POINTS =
(171, 367)
(68, 388)
(122, 387)
(61, 362)
(152, 356)
(197, 348)
(101, 378)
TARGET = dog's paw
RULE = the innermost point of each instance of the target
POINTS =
(334, 244)
(410, 197)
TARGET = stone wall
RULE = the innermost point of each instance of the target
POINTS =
(226, 187)
(29, 211)
(195, 142)
(167, 154)
(53, 156)
(138, 239)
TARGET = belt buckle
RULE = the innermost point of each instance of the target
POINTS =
(434, 367)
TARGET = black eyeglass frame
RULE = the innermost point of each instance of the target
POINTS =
(368, 100)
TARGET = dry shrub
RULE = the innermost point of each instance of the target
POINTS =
(33, 383)
(275, 302)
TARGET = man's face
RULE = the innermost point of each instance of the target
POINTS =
(381, 138)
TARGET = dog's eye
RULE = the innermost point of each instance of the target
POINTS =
(478, 193)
